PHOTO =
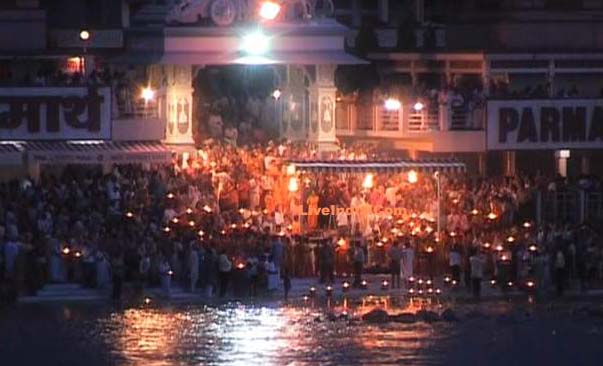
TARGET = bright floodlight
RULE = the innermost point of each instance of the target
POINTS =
(392, 104)
(418, 106)
(412, 177)
(269, 10)
(148, 94)
(256, 43)
(276, 94)
(84, 35)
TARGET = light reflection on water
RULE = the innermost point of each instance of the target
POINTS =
(262, 335)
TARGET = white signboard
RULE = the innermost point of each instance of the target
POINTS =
(55, 113)
(542, 124)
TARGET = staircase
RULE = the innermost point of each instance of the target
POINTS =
(65, 292)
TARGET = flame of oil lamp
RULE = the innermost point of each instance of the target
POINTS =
(66, 250)
(533, 248)
(200, 232)
(430, 290)
(438, 291)
(191, 223)
(413, 215)
(289, 227)
(454, 283)
(474, 212)
(233, 226)
(175, 220)
(510, 284)
(240, 265)
(246, 225)
(189, 210)
(129, 214)
(207, 209)
(380, 244)
(312, 290)
(265, 211)
(455, 201)
(452, 234)
(281, 233)
(428, 282)
(170, 272)
(492, 283)
(492, 216)
(420, 281)
(212, 164)
(487, 245)
(411, 224)
(394, 230)
(499, 248)
(345, 286)
(411, 291)
(530, 284)
(511, 239)
(420, 292)
(306, 298)
(223, 232)
(147, 300)
(504, 258)
(447, 279)
(329, 290)
(400, 222)
(527, 225)
(429, 229)
(170, 195)
(384, 284)
(411, 279)
(78, 254)
(429, 249)
(166, 229)
(341, 242)
(364, 284)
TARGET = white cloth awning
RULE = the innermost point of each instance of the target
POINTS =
(97, 152)
(11, 153)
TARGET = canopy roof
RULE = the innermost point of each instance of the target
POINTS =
(399, 165)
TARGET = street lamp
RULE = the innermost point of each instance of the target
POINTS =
(84, 37)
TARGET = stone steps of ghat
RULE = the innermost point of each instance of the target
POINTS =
(65, 292)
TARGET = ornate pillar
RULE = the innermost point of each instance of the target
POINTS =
(179, 105)
(322, 109)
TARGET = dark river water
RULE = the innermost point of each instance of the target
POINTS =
(296, 334)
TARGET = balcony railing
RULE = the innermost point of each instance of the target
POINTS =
(375, 118)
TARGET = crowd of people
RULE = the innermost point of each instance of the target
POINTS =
(231, 215)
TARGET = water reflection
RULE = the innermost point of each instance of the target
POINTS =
(262, 335)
